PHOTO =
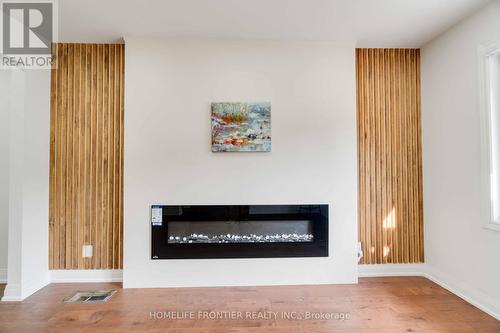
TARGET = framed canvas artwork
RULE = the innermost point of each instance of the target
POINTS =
(240, 126)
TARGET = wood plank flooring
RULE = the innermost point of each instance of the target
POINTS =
(398, 304)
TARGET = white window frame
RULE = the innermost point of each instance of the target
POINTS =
(485, 51)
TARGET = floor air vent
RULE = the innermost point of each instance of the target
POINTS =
(90, 296)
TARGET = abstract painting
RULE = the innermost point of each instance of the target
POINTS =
(238, 126)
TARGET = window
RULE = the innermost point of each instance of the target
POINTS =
(489, 61)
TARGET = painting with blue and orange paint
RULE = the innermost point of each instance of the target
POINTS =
(239, 126)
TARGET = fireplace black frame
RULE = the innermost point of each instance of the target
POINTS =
(162, 249)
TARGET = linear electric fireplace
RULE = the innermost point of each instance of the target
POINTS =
(241, 231)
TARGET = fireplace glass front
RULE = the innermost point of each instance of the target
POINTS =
(239, 231)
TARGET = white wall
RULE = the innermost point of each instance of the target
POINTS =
(28, 163)
(494, 188)
(168, 89)
(16, 93)
(459, 251)
(5, 83)
(36, 181)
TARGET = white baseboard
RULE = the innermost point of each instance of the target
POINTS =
(33, 285)
(478, 299)
(391, 270)
(3, 275)
(86, 275)
(7, 298)
(12, 293)
(473, 296)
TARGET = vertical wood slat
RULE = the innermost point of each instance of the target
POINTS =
(390, 203)
(86, 156)
(52, 169)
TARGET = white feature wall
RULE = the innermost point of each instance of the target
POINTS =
(460, 252)
(169, 85)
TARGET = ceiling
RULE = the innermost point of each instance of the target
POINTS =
(373, 23)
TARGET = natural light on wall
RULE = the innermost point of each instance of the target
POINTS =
(390, 220)
(494, 68)
(489, 62)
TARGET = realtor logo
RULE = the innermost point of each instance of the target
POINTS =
(28, 31)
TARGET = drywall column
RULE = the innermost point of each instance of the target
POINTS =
(28, 156)
(5, 83)
(169, 86)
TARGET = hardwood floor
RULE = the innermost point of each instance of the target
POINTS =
(398, 304)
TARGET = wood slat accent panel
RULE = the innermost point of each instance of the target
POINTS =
(86, 156)
(390, 212)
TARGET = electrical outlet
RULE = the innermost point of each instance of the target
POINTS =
(360, 251)
(87, 251)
